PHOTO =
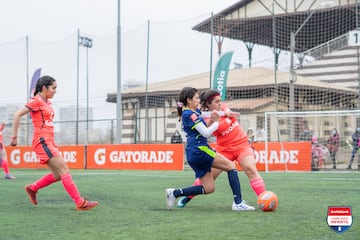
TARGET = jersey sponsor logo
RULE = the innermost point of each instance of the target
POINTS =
(194, 117)
(230, 128)
(50, 122)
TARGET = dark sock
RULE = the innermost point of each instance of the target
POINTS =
(193, 190)
(235, 185)
(186, 199)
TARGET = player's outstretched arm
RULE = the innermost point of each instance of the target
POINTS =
(16, 122)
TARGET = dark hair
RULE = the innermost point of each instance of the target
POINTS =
(43, 81)
(207, 97)
(185, 93)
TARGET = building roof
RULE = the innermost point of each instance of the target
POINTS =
(252, 104)
(238, 79)
(254, 21)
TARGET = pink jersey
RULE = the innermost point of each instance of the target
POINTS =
(42, 116)
(229, 132)
(231, 140)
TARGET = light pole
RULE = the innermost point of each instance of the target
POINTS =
(118, 78)
(324, 4)
(87, 43)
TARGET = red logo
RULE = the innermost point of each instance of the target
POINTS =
(194, 117)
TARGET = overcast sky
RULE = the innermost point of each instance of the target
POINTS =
(48, 22)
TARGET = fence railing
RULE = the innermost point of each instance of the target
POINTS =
(327, 47)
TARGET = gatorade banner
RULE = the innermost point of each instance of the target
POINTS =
(286, 156)
(25, 157)
(123, 156)
(221, 74)
(136, 156)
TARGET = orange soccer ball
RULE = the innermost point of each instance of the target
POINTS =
(268, 201)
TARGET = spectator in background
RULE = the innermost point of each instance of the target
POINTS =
(305, 135)
(176, 138)
(355, 145)
(3, 156)
(333, 145)
(318, 153)
(260, 134)
(251, 137)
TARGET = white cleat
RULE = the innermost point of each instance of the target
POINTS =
(242, 207)
(170, 198)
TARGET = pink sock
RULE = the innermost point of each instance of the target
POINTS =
(46, 180)
(258, 185)
(5, 166)
(71, 188)
(197, 182)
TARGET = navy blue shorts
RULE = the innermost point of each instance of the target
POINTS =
(200, 159)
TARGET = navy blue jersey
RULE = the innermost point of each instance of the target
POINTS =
(190, 119)
(199, 154)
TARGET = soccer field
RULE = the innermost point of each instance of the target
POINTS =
(132, 206)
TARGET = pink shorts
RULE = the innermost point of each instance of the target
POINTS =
(45, 148)
(236, 153)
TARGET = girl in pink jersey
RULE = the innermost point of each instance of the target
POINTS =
(231, 141)
(3, 157)
(42, 115)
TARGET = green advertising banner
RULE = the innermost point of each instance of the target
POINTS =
(221, 74)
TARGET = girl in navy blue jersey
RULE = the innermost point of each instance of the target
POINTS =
(200, 156)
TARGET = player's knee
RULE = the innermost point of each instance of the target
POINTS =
(209, 188)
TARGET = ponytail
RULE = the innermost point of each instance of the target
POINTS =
(43, 81)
